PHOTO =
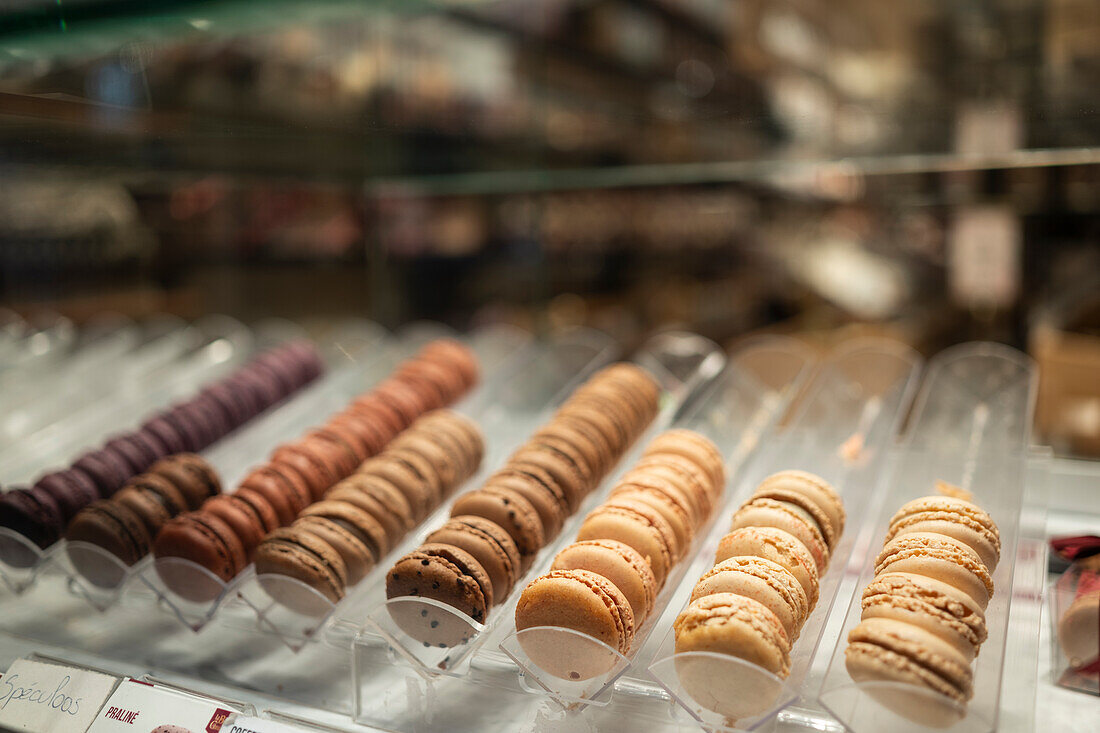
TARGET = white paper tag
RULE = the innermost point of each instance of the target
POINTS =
(141, 707)
(249, 724)
(983, 265)
(44, 698)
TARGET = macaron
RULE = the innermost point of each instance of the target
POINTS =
(931, 604)
(681, 473)
(107, 471)
(445, 465)
(1079, 631)
(487, 543)
(392, 525)
(761, 512)
(444, 573)
(136, 455)
(762, 580)
(315, 467)
(726, 623)
(421, 498)
(162, 430)
(512, 512)
(548, 466)
(387, 494)
(369, 407)
(454, 356)
(167, 492)
(696, 448)
(813, 495)
(113, 527)
(582, 601)
(239, 515)
(777, 546)
(33, 514)
(678, 490)
(358, 558)
(637, 525)
(356, 521)
(589, 452)
(71, 489)
(194, 477)
(675, 514)
(204, 540)
(148, 505)
(887, 650)
(621, 564)
(955, 518)
(422, 468)
(941, 558)
(296, 553)
(337, 452)
(545, 496)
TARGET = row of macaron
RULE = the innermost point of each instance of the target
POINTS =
(765, 580)
(473, 562)
(301, 473)
(336, 542)
(606, 583)
(42, 512)
(923, 614)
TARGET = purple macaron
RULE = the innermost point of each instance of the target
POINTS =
(106, 469)
(133, 454)
(71, 489)
(165, 433)
(33, 514)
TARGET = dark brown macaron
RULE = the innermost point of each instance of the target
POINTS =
(512, 511)
(358, 558)
(489, 544)
(359, 522)
(392, 523)
(173, 498)
(617, 440)
(297, 553)
(546, 496)
(447, 440)
(580, 464)
(113, 527)
(148, 505)
(240, 517)
(588, 451)
(420, 496)
(195, 478)
(261, 507)
(571, 424)
(549, 466)
(444, 573)
(463, 431)
(319, 475)
(618, 415)
(387, 494)
(206, 541)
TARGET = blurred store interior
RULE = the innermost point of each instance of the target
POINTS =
(927, 171)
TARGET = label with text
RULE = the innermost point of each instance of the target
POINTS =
(141, 707)
(42, 698)
(249, 724)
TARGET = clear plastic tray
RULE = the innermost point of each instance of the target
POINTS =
(971, 428)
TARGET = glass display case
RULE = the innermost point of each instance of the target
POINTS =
(851, 238)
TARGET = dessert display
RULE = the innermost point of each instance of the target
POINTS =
(335, 542)
(521, 507)
(923, 615)
(223, 536)
(42, 512)
(605, 584)
(762, 587)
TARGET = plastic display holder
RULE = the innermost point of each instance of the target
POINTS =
(95, 574)
(21, 561)
(1078, 673)
(193, 594)
(971, 428)
(841, 430)
(281, 606)
(573, 668)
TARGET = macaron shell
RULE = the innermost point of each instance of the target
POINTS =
(1079, 631)
(696, 448)
(675, 515)
(815, 489)
(741, 627)
(872, 663)
(206, 541)
(806, 504)
(935, 606)
(358, 558)
(919, 647)
(938, 503)
(778, 546)
(297, 554)
(679, 494)
(356, 520)
(419, 495)
(551, 507)
(762, 580)
(956, 526)
(385, 517)
(637, 525)
(581, 601)
(145, 504)
(619, 563)
(512, 511)
(941, 558)
(239, 516)
(33, 514)
(386, 494)
(761, 512)
(429, 575)
(112, 527)
(487, 543)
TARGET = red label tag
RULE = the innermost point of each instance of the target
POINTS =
(217, 720)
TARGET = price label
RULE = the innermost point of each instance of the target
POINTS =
(44, 698)
(141, 707)
(249, 724)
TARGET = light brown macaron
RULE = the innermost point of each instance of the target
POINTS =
(762, 580)
(939, 557)
(489, 544)
(931, 604)
(760, 512)
(358, 558)
(637, 525)
(419, 494)
(355, 519)
(727, 623)
(298, 554)
(676, 516)
(955, 518)
(543, 492)
(696, 448)
(619, 563)
(813, 494)
(778, 546)
(581, 601)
